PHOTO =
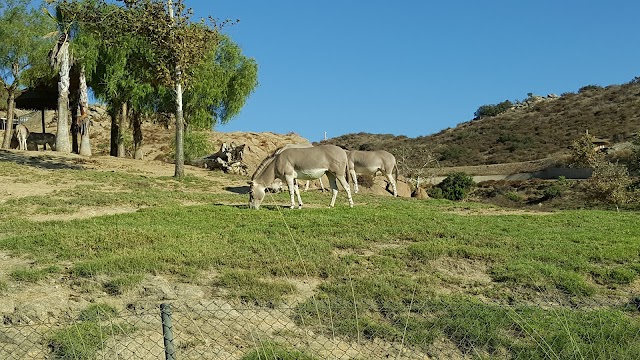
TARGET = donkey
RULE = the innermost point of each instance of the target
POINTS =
(21, 134)
(277, 185)
(43, 139)
(309, 163)
(369, 163)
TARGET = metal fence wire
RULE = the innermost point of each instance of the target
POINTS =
(430, 330)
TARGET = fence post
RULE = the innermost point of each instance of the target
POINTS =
(167, 331)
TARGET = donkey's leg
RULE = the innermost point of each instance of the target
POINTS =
(354, 177)
(292, 189)
(321, 184)
(345, 185)
(392, 181)
(334, 188)
(306, 186)
(298, 194)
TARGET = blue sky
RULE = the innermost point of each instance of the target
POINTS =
(415, 67)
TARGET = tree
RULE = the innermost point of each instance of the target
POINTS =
(417, 164)
(609, 183)
(584, 153)
(21, 48)
(178, 44)
(59, 60)
(221, 86)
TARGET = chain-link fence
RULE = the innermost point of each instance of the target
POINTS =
(318, 330)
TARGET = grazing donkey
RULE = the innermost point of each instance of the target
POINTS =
(369, 163)
(277, 185)
(43, 139)
(309, 163)
(21, 134)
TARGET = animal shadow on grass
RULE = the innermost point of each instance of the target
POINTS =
(263, 206)
(46, 162)
(238, 189)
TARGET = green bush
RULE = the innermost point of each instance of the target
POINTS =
(513, 196)
(196, 145)
(492, 109)
(456, 186)
(435, 193)
(553, 191)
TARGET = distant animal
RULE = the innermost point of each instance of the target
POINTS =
(309, 163)
(43, 139)
(369, 163)
(21, 134)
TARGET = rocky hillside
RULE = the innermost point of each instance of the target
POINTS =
(535, 128)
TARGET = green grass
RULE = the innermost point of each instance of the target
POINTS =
(267, 351)
(33, 275)
(83, 339)
(380, 264)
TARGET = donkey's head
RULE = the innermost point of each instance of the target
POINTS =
(256, 194)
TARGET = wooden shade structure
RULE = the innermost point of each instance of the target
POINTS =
(41, 97)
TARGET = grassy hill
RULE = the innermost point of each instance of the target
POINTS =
(89, 247)
(536, 128)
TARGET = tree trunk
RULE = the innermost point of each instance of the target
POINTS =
(114, 112)
(179, 129)
(84, 121)
(122, 120)
(74, 124)
(62, 137)
(8, 130)
(137, 136)
(179, 115)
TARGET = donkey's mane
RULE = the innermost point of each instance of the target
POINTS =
(272, 157)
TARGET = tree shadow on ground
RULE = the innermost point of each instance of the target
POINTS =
(46, 162)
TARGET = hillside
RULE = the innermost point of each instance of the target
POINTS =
(535, 128)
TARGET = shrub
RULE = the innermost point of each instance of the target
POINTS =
(513, 196)
(553, 191)
(589, 88)
(196, 145)
(609, 184)
(453, 153)
(492, 109)
(456, 186)
(435, 192)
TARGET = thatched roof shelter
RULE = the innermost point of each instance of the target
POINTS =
(42, 97)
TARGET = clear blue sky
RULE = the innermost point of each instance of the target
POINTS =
(415, 67)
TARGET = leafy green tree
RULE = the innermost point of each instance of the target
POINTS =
(21, 48)
(221, 86)
(178, 45)
(609, 183)
(583, 152)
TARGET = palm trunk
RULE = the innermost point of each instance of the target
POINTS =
(8, 130)
(62, 137)
(84, 121)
